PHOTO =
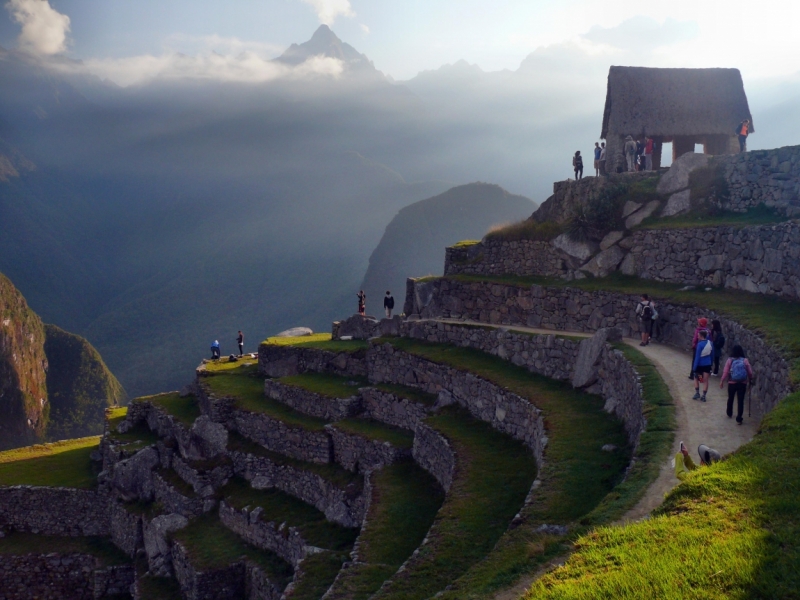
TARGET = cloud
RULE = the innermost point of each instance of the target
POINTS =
(44, 29)
(246, 67)
(328, 10)
(191, 44)
(364, 28)
(643, 33)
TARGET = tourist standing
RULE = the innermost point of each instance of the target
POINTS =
(648, 153)
(702, 325)
(577, 165)
(602, 159)
(738, 369)
(703, 357)
(630, 153)
(639, 155)
(743, 131)
(388, 304)
(215, 350)
(362, 302)
(597, 152)
(718, 339)
(646, 311)
(240, 341)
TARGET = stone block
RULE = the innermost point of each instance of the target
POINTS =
(605, 262)
(677, 178)
(611, 238)
(579, 250)
(641, 214)
(678, 203)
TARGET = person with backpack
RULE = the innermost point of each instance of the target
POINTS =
(362, 302)
(597, 151)
(742, 131)
(703, 357)
(215, 350)
(718, 339)
(739, 374)
(702, 325)
(630, 153)
(577, 165)
(646, 311)
(388, 304)
(240, 341)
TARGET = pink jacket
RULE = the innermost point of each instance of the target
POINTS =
(726, 372)
(696, 337)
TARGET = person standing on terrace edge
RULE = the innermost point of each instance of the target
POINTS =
(602, 161)
(738, 369)
(240, 341)
(743, 131)
(362, 302)
(630, 153)
(215, 350)
(703, 357)
(597, 152)
(577, 165)
(388, 304)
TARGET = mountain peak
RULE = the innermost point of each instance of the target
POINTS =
(326, 43)
(324, 34)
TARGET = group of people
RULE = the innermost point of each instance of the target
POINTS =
(708, 343)
(639, 153)
(388, 303)
(215, 351)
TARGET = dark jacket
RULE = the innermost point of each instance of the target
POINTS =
(388, 302)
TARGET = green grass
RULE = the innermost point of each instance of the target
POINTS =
(374, 430)
(59, 464)
(135, 438)
(172, 478)
(326, 384)
(246, 386)
(318, 573)
(405, 500)
(283, 508)
(186, 409)
(729, 531)
(224, 365)
(493, 477)
(332, 472)
(18, 543)
(211, 545)
(115, 416)
(409, 393)
(526, 230)
(159, 588)
(319, 341)
(708, 216)
(466, 243)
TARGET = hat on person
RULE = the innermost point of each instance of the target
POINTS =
(702, 321)
(708, 455)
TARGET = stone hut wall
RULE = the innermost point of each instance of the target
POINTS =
(505, 411)
(524, 258)
(573, 309)
(281, 361)
(54, 511)
(360, 454)
(339, 505)
(388, 408)
(126, 529)
(316, 405)
(227, 583)
(433, 453)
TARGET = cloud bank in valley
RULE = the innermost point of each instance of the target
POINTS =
(44, 29)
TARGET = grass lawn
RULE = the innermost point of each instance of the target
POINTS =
(374, 430)
(405, 500)
(211, 545)
(186, 410)
(283, 508)
(18, 543)
(59, 464)
(246, 386)
(493, 477)
(319, 571)
(135, 438)
(326, 384)
(409, 393)
(115, 416)
(319, 341)
(332, 472)
(713, 217)
(223, 365)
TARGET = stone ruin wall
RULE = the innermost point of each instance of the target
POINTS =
(574, 309)
(282, 361)
(432, 452)
(54, 511)
(310, 403)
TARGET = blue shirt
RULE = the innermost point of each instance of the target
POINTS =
(597, 151)
(703, 354)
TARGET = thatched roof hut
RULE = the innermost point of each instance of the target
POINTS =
(683, 106)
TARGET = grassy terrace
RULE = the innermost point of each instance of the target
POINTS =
(712, 217)
(409, 393)
(224, 365)
(159, 588)
(186, 410)
(326, 384)
(211, 545)
(493, 477)
(65, 464)
(18, 543)
(373, 430)
(246, 386)
(332, 472)
(405, 500)
(319, 341)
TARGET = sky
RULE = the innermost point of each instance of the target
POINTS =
(404, 38)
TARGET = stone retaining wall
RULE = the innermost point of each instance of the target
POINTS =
(573, 309)
(433, 453)
(287, 543)
(175, 502)
(227, 583)
(126, 529)
(343, 506)
(54, 511)
(505, 411)
(360, 454)
(205, 482)
(281, 361)
(310, 403)
(392, 410)
(524, 258)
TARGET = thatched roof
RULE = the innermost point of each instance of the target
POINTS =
(670, 102)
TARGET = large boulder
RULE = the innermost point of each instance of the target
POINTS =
(679, 202)
(611, 238)
(677, 178)
(156, 542)
(589, 351)
(133, 477)
(641, 214)
(207, 439)
(604, 263)
(295, 332)
(359, 327)
(579, 250)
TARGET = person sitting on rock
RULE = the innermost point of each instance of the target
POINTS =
(684, 463)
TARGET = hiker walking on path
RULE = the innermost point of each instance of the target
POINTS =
(577, 165)
(740, 373)
(597, 151)
(702, 325)
(215, 350)
(718, 339)
(240, 341)
(602, 160)
(362, 302)
(388, 304)
(743, 131)
(703, 357)
(646, 311)
(648, 153)
(630, 153)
